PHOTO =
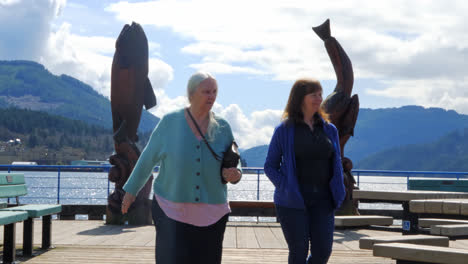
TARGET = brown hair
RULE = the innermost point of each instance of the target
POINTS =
(293, 110)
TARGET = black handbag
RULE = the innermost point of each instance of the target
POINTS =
(230, 157)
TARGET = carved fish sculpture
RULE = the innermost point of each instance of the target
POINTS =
(340, 105)
(130, 86)
(342, 108)
(130, 90)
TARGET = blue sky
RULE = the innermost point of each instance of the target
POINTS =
(403, 52)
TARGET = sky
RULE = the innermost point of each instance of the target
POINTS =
(403, 52)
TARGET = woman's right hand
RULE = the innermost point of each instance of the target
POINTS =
(231, 175)
(127, 202)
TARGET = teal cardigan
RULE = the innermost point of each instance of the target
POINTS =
(188, 171)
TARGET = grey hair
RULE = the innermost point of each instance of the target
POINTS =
(192, 86)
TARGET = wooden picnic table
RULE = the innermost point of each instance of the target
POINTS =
(442, 208)
(409, 220)
(455, 207)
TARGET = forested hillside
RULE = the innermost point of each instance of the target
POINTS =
(449, 153)
(28, 85)
(380, 129)
(396, 130)
(49, 139)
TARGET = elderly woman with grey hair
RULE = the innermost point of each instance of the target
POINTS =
(190, 207)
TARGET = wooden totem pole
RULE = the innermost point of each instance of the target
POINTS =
(342, 107)
(130, 90)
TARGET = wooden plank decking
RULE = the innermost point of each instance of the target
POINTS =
(93, 242)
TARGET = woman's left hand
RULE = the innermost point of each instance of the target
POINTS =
(127, 200)
(231, 174)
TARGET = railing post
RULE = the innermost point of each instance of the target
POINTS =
(9, 171)
(108, 187)
(58, 186)
(258, 184)
(407, 181)
(358, 178)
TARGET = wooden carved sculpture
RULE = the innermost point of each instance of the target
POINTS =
(342, 108)
(130, 90)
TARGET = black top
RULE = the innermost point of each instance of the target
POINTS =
(314, 154)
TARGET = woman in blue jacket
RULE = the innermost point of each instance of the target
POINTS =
(304, 165)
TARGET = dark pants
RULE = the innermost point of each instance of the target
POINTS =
(182, 243)
(314, 225)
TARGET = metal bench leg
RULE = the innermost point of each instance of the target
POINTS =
(409, 221)
(28, 236)
(9, 241)
(46, 231)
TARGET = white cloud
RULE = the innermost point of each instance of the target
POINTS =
(253, 130)
(89, 59)
(30, 35)
(8, 2)
(418, 49)
(80, 57)
(276, 37)
(224, 68)
(443, 93)
(404, 41)
(25, 27)
(166, 104)
(159, 73)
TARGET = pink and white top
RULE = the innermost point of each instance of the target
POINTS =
(197, 214)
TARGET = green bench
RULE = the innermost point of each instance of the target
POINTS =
(12, 185)
(438, 185)
(9, 220)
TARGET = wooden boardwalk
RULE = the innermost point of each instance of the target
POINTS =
(93, 242)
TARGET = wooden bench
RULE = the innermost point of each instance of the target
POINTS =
(438, 185)
(410, 253)
(450, 230)
(369, 242)
(9, 220)
(12, 185)
(442, 208)
(428, 222)
(252, 208)
(409, 220)
(362, 220)
(455, 207)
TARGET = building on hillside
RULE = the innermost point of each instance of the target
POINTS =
(24, 163)
(89, 162)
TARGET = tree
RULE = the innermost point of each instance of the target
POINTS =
(32, 141)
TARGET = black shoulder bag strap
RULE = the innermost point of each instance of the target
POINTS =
(216, 156)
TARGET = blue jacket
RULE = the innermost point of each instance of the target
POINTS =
(280, 167)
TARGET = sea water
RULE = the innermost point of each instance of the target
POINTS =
(93, 187)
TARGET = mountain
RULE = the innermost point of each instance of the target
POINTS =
(448, 153)
(27, 135)
(28, 85)
(388, 128)
(255, 157)
(380, 129)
